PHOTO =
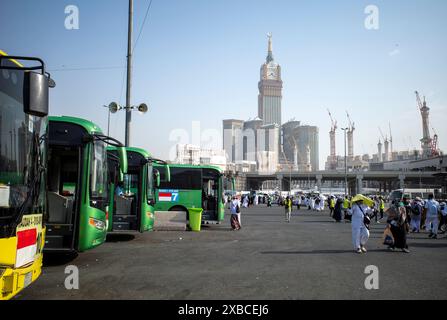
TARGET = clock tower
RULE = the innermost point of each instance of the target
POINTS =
(270, 89)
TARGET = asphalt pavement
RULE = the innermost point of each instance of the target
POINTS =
(309, 258)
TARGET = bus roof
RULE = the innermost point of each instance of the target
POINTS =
(141, 151)
(194, 166)
(89, 126)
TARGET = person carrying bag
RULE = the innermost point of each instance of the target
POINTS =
(360, 222)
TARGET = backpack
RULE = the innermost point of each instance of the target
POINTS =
(415, 210)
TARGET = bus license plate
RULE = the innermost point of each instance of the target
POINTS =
(28, 279)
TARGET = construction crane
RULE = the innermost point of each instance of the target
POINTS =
(418, 100)
(351, 124)
(434, 144)
(333, 122)
(391, 138)
(332, 141)
(385, 138)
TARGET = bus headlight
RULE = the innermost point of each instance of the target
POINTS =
(98, 224)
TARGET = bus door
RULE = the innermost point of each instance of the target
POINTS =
(210, 191)
(126, 202)
(64, 167)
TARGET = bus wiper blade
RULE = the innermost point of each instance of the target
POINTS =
(157, 161)
(106, 139)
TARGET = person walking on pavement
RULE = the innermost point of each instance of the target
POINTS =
(360, 214)
(245, 202)
(376, 208)
(443, 223)
(331, 205)
(345, 208)
(308, 203)
(407, 205)
(416, 213)
(431, 220)
(381, 207)
(235, 209)
(298, 202)
(337, 210)
(288, 208)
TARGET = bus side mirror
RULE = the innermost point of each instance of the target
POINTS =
(157, 178)
(122, 154)
(168, 173)
(35, 94)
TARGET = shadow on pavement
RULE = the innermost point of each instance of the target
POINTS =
(317, 251)
(119, 237)
(319, 221)
(428, 245)
(215, 228)
(58, 259)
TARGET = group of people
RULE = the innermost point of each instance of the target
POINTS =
(402, 217)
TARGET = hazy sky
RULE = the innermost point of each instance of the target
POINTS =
(199, 60)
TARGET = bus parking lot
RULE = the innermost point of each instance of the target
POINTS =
(309, 258)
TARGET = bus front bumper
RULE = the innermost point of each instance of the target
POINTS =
(12, 281)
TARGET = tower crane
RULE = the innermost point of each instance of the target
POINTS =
(391, 138)
(418, 100)
(332, 141)
(383, 137)
(434, 144)
(351, 124)
(333, 122)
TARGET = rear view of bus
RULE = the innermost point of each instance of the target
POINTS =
(192, 186)
(23, 124)
(77, 185)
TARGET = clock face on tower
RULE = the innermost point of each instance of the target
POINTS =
(272, 73)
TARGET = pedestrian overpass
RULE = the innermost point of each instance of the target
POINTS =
(385, 180)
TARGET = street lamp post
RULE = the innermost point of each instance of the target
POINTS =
(346, 166)
(108, 120)
(290, 180)
(129, 74)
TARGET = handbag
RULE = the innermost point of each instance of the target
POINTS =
(388, 238)
(366, 218)
(238, 209)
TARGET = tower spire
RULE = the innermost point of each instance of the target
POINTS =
(270, 52)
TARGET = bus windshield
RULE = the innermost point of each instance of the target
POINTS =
(98, 174)
(21, 152)
(150, 182)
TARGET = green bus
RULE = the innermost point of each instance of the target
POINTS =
(77, 184)
(192, 186)
(132, 198)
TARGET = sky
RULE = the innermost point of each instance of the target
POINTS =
(197, 62)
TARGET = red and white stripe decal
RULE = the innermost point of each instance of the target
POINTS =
(164, 196)
(26, 247)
